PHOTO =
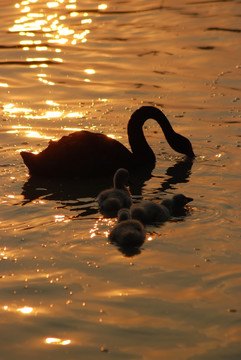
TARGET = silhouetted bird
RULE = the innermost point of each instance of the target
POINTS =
(127, 232)
(177, 204)
(116, 198)
(85, 153)
(149, 212)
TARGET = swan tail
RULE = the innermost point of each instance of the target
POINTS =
(29, 160)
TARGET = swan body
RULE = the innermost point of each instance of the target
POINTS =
(149, 212)
(112, 200)
(127, 232)
(85, 153)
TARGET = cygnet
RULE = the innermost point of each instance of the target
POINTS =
(128, 232)
(116, 198)
(176, 205)
(149, 212)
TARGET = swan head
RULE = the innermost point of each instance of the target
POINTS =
(121, 178)
(182, 145)
(138, 213)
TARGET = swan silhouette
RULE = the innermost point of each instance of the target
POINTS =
(127, 232)
(112, 200)
(85, 153)
(149, 212)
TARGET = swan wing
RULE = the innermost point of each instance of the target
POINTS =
(82, 153)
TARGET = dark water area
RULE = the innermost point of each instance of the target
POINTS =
(66, 291)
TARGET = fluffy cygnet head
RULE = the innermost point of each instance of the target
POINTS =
(127, 232)
(138, 213)
(123, 214)
(181, 200)
(176, 204)
(118, 197)
(121, 178)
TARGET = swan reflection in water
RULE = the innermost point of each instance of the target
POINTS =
(79, 194)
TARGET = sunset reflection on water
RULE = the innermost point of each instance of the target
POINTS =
(41, 34)
(66, 290)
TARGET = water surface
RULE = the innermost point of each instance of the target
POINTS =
(65, 291)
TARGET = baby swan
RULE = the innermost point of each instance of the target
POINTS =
(127, 233)
(149, 212)
(176, 205)
(116, 198)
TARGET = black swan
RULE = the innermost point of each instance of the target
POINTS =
(112, 200)
(127, 232)
(85, 153)
(149, 212)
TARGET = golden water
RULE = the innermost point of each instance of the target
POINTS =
(66, 293)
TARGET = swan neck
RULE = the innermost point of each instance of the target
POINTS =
(138, 143)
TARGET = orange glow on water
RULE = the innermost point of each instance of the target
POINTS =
(35, 134)
(50, 26)
(59, 218)
(89, 71)
(51, 102)
(25, 310)
(52, 4)
(75, 115)
(43, 32)
(57, 341)
(102, 6)
(11, 109)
